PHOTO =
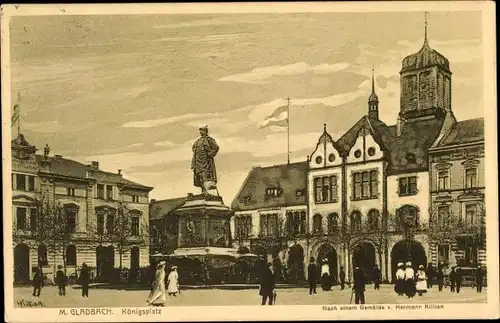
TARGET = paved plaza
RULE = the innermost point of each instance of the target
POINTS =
(205, 297)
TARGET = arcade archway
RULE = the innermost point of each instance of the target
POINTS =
(328, 252)
(21, 263)
(363, 256)
(404, 251)
(295, 263)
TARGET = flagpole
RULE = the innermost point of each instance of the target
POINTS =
(19, 113)
(288, 131)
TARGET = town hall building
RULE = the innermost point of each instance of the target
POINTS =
(377, 195)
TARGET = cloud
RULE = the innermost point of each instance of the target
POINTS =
(263, 74)
(158, 122)
(44, 127)
(165, 144)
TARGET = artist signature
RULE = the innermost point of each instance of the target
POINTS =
(24, 303)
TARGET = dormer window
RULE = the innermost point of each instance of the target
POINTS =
(299, 193)
(410, 157)
(246, 199)
(273, 192)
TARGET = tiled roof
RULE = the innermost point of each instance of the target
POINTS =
(161, 209)
(291, 179)
(466, 131)
(426, 56)
(70, 168)
(416, 138)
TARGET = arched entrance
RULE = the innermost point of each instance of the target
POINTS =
(295, 263)
(363, 256)
(404, 251)
(328, 252)
(21, 263)
(105, 263)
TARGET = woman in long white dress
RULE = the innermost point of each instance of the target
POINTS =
(421, 281)
(173, 282)
(157, 295)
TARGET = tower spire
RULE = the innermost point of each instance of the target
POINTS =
(373, 78)
(426, 15)
(373, 99)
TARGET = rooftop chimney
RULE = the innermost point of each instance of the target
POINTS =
(119, 172)
(95, 164)
(58, 156)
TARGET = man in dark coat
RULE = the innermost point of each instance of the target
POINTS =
(377, 277)
(342, 278)
(61, 280)
(458, 279)
(452, 276)
(430, 275)
(84, 280)
(312, 272)
(267, 285)
(440, 278)
(359, 286)
(479, 279)
(37, 282)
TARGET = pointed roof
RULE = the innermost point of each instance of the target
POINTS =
(291, 178)
(377, 129)
(326, 138)
(425, 57)
(373, 96)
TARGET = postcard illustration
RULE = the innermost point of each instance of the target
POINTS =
(335, 158)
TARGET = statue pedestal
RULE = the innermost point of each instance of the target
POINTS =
(203, 221)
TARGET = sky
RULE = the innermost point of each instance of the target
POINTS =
(131, 91)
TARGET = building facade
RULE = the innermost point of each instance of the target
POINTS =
(67, 213)
(371, 194)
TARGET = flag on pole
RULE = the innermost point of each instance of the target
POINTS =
(15, 115)
(278, 118)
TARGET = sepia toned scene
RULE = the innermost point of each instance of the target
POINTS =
(248, 159)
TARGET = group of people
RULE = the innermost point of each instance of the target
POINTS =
(157, 296)
(61, 280)
(408, 282)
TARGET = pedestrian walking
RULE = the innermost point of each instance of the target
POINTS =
(452, 279)
(312, 272)
(37, 281)
(267, 285)
(342, 278)
(421, 286)
(326, 283)
(84, 280)
(377, 277)
(359, 286)
(431, 274)
(440, 278)
(173, 282)
(157, 295)
(458, 279)
(410, 289)
(479, 279)
(399, 286)
(61, 281)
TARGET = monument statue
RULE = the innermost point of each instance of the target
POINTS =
(204, 150)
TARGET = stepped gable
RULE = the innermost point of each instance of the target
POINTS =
(291, 178)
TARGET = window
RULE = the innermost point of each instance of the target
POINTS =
(373, 219)
(135, 226)
(135, 198)
(71, 219)
(296, 222)
(109, 192)
(443, 215)
(273, 192)
(21, 218)
(357, 153)
(100, 191)
(21, 182)
(471, 178)
(70, 191)
(319, 159)
(470, 215)
(317, 223)
(100, 223)
(110, 222)
(365, 185)
(70, 255)
(33, 219)
(371, 151)
(269, 224)
(444, 253)
(356, 221)
(243, 226)
(470, 255)
(443, 180)
(326, 190)
(331, 158)
(299, 193)
(333, 223)
(408, 186)
(407, 217)
(31, 183)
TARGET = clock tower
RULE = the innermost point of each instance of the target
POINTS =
(425, 83)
